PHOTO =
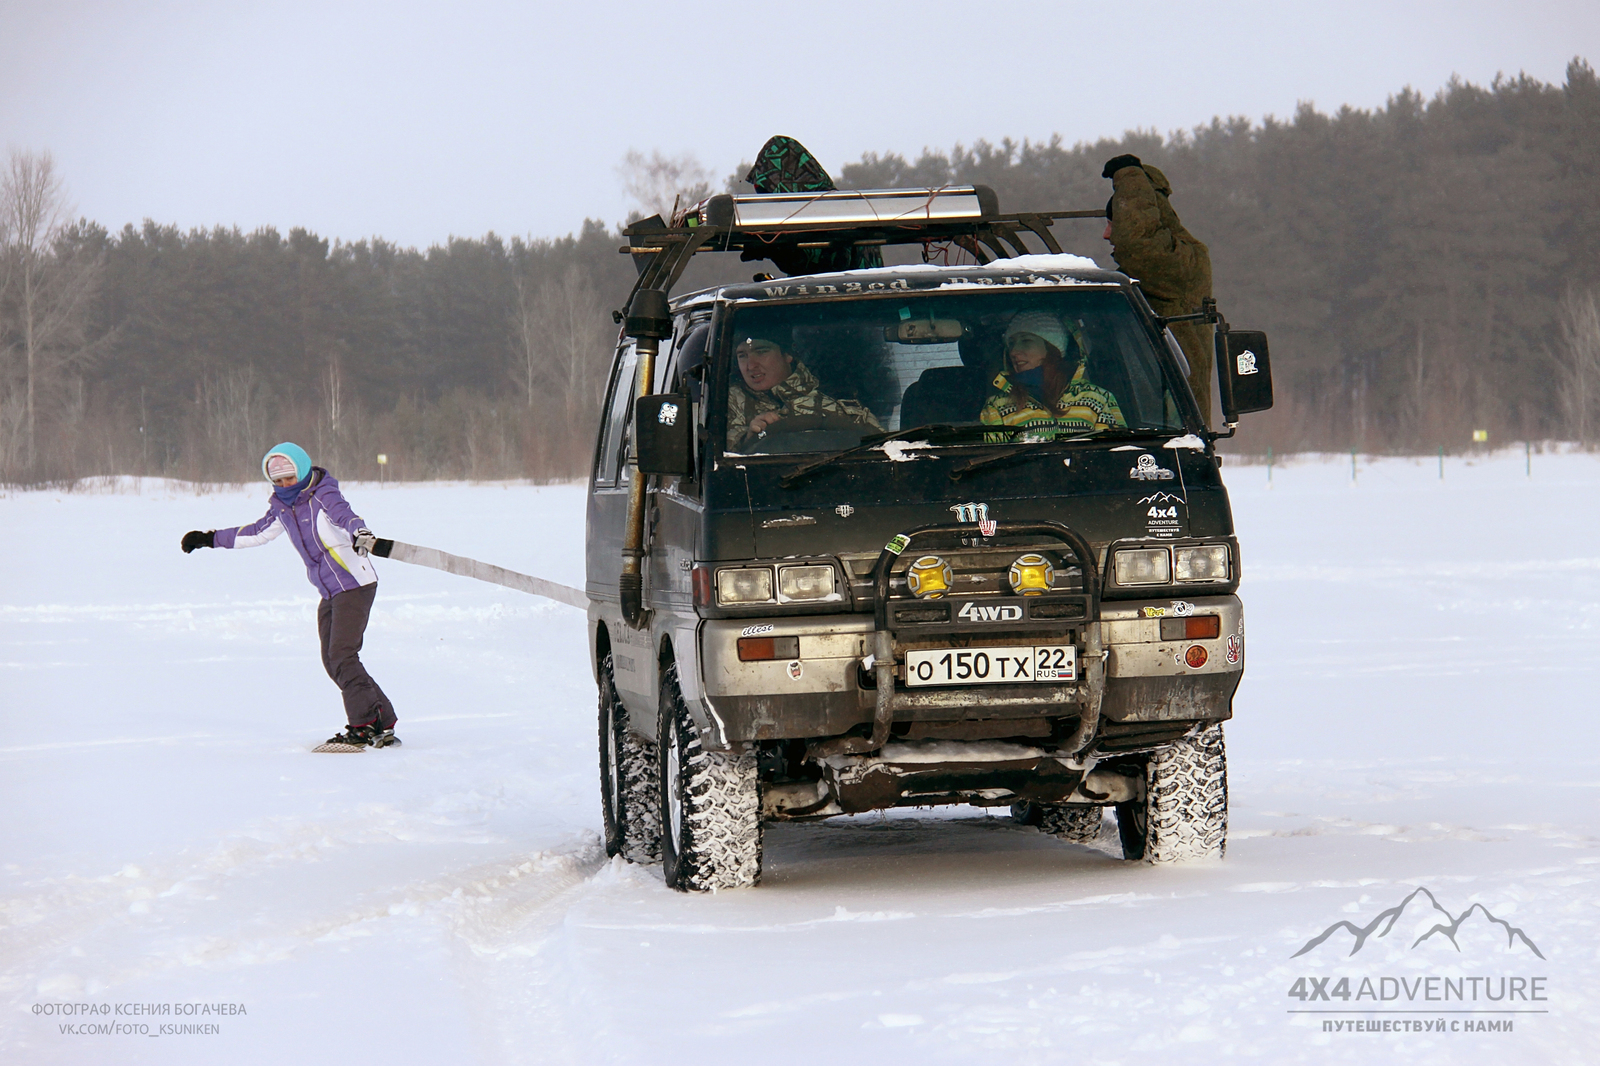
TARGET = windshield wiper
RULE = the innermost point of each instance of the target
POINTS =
(927, 432)
(1032, 448)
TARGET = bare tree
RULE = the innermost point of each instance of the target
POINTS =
(563, 337)
(48, 284)
(662, 185)
(1577, 359)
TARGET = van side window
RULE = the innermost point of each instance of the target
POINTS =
(615, 435)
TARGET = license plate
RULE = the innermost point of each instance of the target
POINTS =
(992, 666)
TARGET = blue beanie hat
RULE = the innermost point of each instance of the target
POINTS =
(292, 452)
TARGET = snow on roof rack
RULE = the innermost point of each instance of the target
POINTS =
(761, 224)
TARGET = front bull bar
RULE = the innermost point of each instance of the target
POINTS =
(1091, 689)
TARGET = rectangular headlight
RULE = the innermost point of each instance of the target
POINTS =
(805, 582)
(748, 585)
(1143, 566)
(1209, 562)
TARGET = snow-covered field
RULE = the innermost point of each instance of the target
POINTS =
(1418, 711)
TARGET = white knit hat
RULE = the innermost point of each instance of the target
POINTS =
(1041, 324)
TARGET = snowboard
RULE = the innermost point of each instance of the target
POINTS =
(785, 165)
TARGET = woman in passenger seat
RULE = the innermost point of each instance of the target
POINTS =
(1036, 392)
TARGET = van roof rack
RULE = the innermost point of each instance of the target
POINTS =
(761, 224)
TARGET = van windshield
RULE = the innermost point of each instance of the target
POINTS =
(1007, 366)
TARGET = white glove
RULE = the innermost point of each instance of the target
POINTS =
(364, 540)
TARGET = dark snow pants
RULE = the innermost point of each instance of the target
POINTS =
(341, 624)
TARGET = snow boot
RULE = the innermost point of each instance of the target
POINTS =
(384, 738)
(355, 738)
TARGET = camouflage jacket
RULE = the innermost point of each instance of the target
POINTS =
(1082, 407)
(1174, 270)
(798, 396)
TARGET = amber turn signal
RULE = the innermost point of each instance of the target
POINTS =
(759, 649)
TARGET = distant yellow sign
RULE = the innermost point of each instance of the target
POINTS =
(382, 459)
(1480, 436)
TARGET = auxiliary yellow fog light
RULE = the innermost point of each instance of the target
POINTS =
(929, 577)
(1031, 575)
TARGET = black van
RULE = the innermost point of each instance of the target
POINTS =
(899, 536)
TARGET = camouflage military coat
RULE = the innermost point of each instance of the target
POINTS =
(1173, 269)
(798, 397)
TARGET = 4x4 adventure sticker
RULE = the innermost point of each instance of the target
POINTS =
(1164, 514)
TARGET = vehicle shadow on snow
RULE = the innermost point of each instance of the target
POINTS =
(928, 849)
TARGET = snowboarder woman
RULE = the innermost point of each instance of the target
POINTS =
(334, 542)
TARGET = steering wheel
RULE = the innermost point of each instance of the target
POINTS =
(827, 431)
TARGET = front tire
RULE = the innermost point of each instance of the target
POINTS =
(629, 799)
(710, 805)
(1184, 815)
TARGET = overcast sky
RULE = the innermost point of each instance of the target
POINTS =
(417, 121)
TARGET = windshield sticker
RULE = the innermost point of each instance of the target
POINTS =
(897, 544)
(1162, 514)
(1147, 469)
(1178, 609)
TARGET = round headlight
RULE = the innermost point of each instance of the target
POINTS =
(929, 577)
(1031, 575)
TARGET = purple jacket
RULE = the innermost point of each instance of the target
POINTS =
(322, 527)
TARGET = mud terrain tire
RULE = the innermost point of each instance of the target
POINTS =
(1075, 825)
(1185, 813)
(710, 805)
(630, 799)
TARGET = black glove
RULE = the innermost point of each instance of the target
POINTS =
(197, 539)
(364, 540)
(1114, 165)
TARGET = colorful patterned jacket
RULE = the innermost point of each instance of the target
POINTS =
(321, 525)
(1081, 408)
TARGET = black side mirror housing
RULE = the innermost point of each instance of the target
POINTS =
(664, 434)
(1244, 372)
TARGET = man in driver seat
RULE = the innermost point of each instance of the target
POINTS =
(774, 387)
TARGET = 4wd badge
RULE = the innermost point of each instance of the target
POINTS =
(1147, 469)
(1005, 612)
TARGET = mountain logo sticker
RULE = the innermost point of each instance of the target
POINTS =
(1444, 924)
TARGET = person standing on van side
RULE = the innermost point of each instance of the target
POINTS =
(307, 504)
(1149, 243)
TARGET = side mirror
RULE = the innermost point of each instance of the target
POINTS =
(1244, 373)
(663, 434)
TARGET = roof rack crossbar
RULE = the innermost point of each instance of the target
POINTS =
(967, 215)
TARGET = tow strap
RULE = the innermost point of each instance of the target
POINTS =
(495, 575)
